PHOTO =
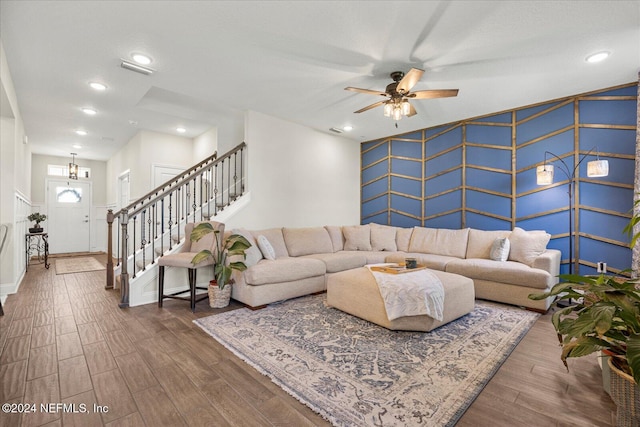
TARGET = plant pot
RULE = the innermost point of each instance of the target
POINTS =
(219, 298)
(35, 230)
(626, 395)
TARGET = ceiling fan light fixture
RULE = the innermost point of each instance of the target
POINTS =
(406, 107)
(388, 109)
(397, 113)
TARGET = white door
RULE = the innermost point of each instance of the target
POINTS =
(162, 174)
(69, 208)
(124, 190)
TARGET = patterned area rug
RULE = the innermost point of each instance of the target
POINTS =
(77, 265)
(355, 373)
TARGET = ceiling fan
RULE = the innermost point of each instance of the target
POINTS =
(399, 93)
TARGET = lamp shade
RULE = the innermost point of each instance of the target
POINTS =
(597, 168)
(544, 175)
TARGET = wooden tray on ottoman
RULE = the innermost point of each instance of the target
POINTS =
(396, 269)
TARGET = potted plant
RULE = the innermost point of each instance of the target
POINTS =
(233, 246)
(37, 218)
(604, 315)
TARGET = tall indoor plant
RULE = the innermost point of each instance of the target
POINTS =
(233, 246)
(604, 315)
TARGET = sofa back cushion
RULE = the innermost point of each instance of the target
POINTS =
(383, 238)
(276, 239)
(357, 237)
(480, 242)
(337, 238)
(439, 241)
(403, 238)
(526, 246)
(307, 241)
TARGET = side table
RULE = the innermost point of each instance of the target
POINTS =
(36, 243)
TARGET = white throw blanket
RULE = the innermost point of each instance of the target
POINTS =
(410, 294)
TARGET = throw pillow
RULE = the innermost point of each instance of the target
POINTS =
(265, 247)
(253, 254)
(383, 238)
(358, 238)
(500, 249)
(526, 246)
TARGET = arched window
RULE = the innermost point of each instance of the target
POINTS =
(68, 195)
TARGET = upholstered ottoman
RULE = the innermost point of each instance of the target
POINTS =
(356, 292)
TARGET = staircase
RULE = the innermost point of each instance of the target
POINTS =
(153, 225)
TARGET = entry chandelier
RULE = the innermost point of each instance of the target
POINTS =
(73, 168)
(396, 108)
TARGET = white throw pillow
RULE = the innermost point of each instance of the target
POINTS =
(358, 238)
(500, 249)
(526, 246)
(253, 254)
(265, 247)
(383, 238)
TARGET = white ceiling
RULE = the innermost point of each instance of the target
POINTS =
(293, 59)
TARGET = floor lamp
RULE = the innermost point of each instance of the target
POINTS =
(544, 176)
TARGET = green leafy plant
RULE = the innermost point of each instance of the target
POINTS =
(234, 245)
(603, 314)
(37, 217)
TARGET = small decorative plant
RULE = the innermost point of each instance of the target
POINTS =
(603, 314)
(37, 218)
(234, 245)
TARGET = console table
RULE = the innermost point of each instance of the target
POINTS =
(36, 243)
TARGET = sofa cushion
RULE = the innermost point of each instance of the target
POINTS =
(403, 237)
(383, 238)
(439, 241)
(253, 254)
(265, 247)
(337, 238)
(510, 272)
(526, 246)
(500, 249)
(308, 240)
(283, 270)
(480, 242)
(341, 261)
(357, 238)
(275, 237)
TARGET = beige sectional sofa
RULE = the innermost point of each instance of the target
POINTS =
(286, 262)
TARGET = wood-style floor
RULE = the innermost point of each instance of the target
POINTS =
(65, 341)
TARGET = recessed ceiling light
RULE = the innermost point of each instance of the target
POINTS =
(98, 86)
(597, 57)
(89, 111)
(348, 128)
(78, 146)
(82, 132)
(133, 122)
(141, 59)
(180, 130)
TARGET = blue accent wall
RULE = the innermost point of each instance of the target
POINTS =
(480, 173)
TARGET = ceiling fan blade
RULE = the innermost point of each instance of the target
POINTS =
(412, 111)
(369, 107)
(430, 94)
(409, 80)
(368, 91)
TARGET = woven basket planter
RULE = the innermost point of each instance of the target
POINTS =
(219, 298)
(626, 395)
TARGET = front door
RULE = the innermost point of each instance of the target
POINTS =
(69, 208)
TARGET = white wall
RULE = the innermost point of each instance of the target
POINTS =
(298, 176)
(15, 192)
(141, 153)
(205, 145)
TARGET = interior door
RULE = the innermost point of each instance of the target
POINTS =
(162, 174)
(69, 216)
